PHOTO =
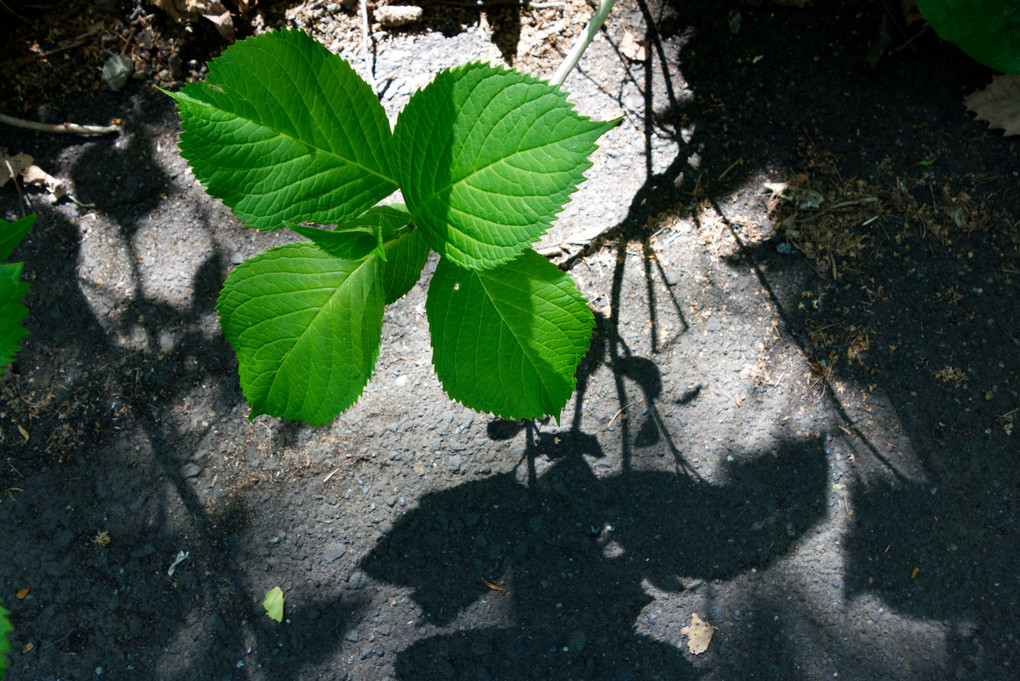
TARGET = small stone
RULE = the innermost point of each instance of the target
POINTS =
(116, 72)
(397, 17)
(190, 470)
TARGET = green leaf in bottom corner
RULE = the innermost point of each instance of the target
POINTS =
(273, 603)
(306, 328)
(508, 340)
(5, 644)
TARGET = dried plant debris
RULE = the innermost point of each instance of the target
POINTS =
(699, 635)
(999, 104)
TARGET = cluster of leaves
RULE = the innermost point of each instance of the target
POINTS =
(289, 136)
(12, 289)
(987, 30)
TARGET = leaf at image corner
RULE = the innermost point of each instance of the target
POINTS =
(273, 603)
(999, 104)
(486, 158)
(987, 30)
(5, 644)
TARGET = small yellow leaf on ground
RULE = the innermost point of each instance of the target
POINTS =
(699, 635)
(22, 593)
(24, 433)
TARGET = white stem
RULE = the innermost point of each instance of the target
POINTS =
(70, 128)
(582, 42)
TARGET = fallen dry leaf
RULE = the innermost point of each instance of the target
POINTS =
(37, 177)
(184, 11)
(999, 104)
(699, 635)
(12, 166)
(22, 593)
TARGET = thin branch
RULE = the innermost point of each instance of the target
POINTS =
(63, 128)
(582, 42)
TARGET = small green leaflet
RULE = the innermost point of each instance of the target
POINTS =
(987, 30)
(508, 340)
(12, 290)
(486, 159)
(284, 132)
(273, 603)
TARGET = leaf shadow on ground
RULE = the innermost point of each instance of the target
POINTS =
(933, 500)
(953, 516)
(566, 555)
(105, 363)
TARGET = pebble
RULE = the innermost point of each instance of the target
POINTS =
(390, 16)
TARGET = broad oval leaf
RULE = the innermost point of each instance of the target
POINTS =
(283, 132)
(486, 158)
(987, 30)
(508, 340)
(306, 328)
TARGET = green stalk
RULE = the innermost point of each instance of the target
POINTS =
(582, 42)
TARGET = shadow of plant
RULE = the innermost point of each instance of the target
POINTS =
(546, 579)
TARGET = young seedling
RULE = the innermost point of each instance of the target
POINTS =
(289, 136)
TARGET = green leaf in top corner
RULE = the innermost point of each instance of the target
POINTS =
(273, 603)
(486, 158)
(508, 340)
(987, 30)
(283, 131)
(306, 328)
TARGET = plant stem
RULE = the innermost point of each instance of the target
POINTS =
(68, 128)
(582, 42)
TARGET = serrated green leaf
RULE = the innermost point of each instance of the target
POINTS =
(987, 30)
(284, 132)
(273, 603)
(13, 233)
(12, 290)
(306, 328)
(405, 259)
(486, 158)
(508, 340)
(362, 236)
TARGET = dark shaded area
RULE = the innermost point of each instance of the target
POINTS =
(569, 553)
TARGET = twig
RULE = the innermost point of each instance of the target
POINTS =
(582, 42)
(63, 128)
(483, 4)
(366, 48)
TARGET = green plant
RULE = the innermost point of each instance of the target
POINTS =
(5, 644)
(287, 135)
(12, 289)
(987, 30)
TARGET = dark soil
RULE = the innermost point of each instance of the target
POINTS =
(798, 424)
